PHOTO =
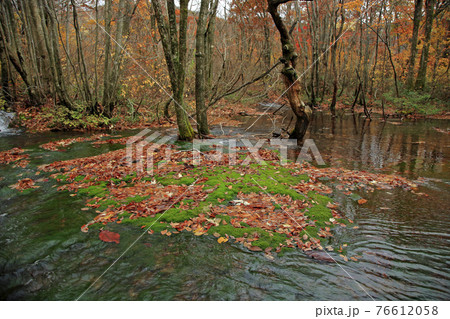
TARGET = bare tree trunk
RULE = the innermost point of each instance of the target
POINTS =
(107, 64)
(5, 82)
(175, 56)
(210, 35)
(81, 63)
(200, 70)
(422, 74)
(412, 58)
(13, 51)
(38, 37)
(336, 36)
(51, 40)
(302, 112)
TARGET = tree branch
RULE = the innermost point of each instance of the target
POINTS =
(259, 77)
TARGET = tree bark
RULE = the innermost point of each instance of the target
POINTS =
(175, 56)
(302, 112)
(422, 74)
(5, 82)
(336, 36)
(415, 35)
(200, 70)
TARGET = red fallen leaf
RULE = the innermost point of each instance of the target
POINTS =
(362, 201)
(109, 237)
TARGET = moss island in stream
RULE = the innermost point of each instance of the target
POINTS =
(263, 206)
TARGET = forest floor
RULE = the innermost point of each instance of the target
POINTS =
(225, 112)
(262, 205)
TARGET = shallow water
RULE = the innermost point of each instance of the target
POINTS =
(403, 238)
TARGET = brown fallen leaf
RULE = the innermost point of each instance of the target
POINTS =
(362, 201)
(24, 184)
(332, 206)
(255, 248)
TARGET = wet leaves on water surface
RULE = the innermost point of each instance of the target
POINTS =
(262, 207)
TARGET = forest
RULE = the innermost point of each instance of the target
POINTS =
(224, 150)
(95, 64)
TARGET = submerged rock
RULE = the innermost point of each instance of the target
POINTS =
(5, 120)
(320, 256)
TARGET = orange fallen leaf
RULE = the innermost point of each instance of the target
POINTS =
(221, 240)
(362, 201)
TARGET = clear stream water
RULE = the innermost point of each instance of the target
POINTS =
(403, 238)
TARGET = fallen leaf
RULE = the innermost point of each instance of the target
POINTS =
(332, 206)
(109, 237)
(221, 240)
(199, 231)
(362, 201)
